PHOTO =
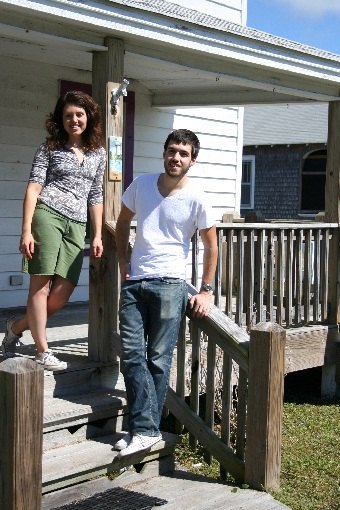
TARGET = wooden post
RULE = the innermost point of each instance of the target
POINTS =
(332, 208)
(21, 426)
(265, 406)
(104, 274)
(332, 214)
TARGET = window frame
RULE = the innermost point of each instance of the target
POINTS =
(249, 159)
(313, 154)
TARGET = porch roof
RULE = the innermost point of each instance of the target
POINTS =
(183, 57)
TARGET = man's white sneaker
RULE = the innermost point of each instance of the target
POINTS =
(123, 442)
(139, 442)
(10, 341)
(50, 362)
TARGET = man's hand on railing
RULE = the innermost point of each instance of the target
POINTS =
(199, 304)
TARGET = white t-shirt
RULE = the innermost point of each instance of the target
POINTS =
(165, 226)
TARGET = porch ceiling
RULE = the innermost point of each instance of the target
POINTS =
(180, 64)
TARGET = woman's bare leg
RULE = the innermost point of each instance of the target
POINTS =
(46, 297)
(36, 311)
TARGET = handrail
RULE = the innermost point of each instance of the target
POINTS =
(229, 336)
(265, 355)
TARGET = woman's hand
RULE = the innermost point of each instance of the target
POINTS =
(26, 245)
(97, 247)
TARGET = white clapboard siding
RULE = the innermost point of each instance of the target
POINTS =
(285, 124)
(14, 171)
(230, 10)
(13, 189)
(16, 297)
(10, 228)
(10, 135)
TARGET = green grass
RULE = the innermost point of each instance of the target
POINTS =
(310, 471)
(310, 465)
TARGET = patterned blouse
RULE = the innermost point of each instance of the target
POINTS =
(69, 187)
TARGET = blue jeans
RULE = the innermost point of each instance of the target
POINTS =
(150, 315)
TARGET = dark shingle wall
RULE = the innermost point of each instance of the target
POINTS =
(277, 179)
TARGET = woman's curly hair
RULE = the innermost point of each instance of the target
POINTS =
(92, 137)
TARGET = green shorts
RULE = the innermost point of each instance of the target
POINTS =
(58, 245)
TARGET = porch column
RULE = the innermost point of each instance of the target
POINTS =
(107, 74)
(332, 214)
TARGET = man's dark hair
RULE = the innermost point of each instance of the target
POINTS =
(186, 137)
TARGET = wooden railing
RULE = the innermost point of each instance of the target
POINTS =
(252, 457)
(275, 272)
(269, 276)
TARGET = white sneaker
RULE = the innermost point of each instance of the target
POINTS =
(123, 442)
(139, 442)
(10, 341)
(49, 361)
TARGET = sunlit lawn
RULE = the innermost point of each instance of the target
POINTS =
(310, 464)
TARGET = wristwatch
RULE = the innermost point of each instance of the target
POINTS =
(207, 288)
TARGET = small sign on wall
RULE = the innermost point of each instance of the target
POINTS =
(115, 158)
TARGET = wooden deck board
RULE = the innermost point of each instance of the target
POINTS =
(181, 490)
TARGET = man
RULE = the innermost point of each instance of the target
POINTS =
(169, 208)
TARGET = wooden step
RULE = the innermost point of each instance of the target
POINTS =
(84, 460)
(82, 376)
(76, 409)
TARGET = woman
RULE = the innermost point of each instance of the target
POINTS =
(65, 180)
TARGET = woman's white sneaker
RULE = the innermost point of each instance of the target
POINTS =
(50, 362)
(10, 341)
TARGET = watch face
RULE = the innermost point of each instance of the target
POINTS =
(207, 287)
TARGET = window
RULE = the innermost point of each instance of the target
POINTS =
(248, 182)
(313, 181)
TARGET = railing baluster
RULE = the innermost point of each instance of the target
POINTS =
(219, 272)
(298, 280)
(210, 391)
(180, 358)
(307, 276)
(181, 367)
(270, 276)
(229, 273)
(280, 271)
(241, 412)
(226, 401)
(289, 279)
(195, 335)
(240, 277)
(324, 275)
(316, 298)
(249, 282)
(259, 279)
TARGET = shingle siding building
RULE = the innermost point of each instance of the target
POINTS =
(281, 144)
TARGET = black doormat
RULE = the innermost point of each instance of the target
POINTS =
(116, 499)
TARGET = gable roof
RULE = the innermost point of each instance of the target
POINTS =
(201, 19)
